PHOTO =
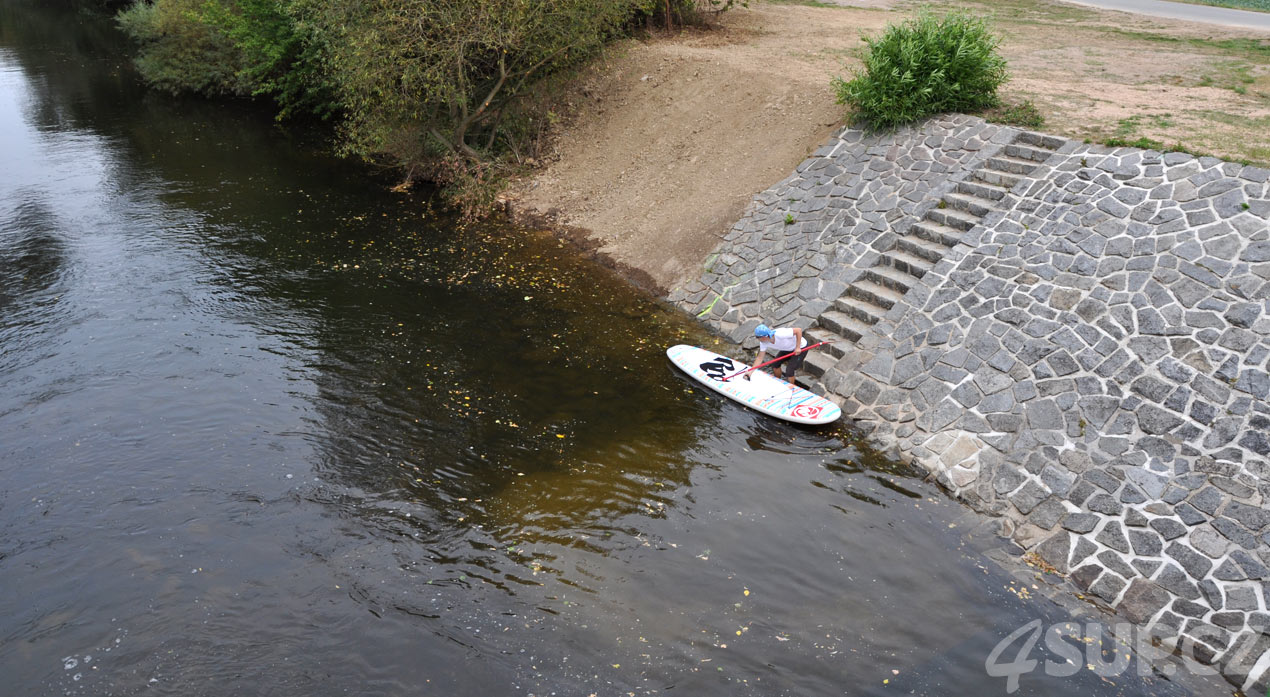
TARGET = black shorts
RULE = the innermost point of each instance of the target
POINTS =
(790, 362)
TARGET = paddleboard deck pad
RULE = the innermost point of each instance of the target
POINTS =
(762, 392)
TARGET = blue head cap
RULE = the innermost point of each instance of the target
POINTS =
(763, 330)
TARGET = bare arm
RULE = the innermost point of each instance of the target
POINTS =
(757, 360)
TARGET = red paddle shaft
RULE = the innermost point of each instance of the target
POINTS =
(760, 365)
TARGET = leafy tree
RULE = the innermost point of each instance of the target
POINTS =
(449, 69)
(180, 52)
(279, 56)
(234, 47)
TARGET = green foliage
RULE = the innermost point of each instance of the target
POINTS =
(233, 47)
(180, 52)
(924, 66)
(444, 89)
(449, 69)
(280, 57)
(1140, 142)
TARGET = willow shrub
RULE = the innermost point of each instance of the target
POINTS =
(924, 66)
(237, 48)
(182, 53)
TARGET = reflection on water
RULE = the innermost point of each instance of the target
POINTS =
(31, 257)
(266, 428)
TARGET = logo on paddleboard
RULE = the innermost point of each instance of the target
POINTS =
(806, 411)
(717, 368)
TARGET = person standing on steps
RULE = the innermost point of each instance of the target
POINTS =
(786, 343)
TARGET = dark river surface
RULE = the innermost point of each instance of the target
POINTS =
(267, 428)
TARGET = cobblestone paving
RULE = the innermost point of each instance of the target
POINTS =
(1086, 354)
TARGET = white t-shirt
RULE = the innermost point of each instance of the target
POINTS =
(782, 340)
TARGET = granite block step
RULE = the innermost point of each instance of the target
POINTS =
(995, 178)
(952, 218)
(819, 362)
(1010, 165)
(941, 236)
(1041, 140)
(890, 277)
(1027, 152)
(843, 325)
(973, 205)
(859, 310)
(874, 293)
(901, 259)
(983, 190)
(837, 346)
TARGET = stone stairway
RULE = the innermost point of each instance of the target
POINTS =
(871, 296)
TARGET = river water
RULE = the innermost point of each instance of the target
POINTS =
(267, 428)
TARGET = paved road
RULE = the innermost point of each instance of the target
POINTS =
(1244, 19)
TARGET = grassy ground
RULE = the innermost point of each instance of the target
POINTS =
(1111, 77)
(1255, 5)
(1100, 77)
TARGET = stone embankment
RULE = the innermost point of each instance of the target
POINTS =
(1072, 337)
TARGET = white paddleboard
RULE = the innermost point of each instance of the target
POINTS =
(762, 392)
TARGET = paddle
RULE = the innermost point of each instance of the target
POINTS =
(760, 365)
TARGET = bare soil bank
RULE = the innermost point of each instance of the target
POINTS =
(669, 139)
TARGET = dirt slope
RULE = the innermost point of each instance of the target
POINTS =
(681, 133)
(672, 137)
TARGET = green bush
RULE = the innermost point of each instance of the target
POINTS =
(182, 53)
(280, 57)
(231, 47)
(449, 69)
(924, 66)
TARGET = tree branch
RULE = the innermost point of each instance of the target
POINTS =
(460, 147)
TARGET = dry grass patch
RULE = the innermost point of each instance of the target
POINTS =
(1099, 75)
